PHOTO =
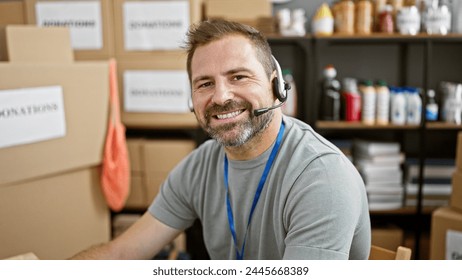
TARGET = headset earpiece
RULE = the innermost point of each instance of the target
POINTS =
(280, 87)
(190, 104)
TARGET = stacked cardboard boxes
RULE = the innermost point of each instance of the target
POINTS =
(151, 161)
(53, 118)
(89, 22)
(154, 85)
(446, 229)
(144, 36)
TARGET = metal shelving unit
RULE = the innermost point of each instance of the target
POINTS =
(411, 62)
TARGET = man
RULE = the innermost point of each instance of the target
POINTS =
(267, 186)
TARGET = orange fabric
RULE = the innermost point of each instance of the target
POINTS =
(115, 177)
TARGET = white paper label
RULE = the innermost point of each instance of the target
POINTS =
(31, 115)
(453, 245)
(157, 25)
(156, 91)
(83, 18)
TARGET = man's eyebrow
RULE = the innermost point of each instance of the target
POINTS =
(200, 78)
(229, 72)
(237, 70)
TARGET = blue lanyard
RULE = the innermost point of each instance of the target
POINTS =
(269, 163)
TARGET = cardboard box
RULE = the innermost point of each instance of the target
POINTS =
(92, 36)
(456, 195)
(12, 12)
(446, 234)
(55, 217)
(387, 237)
(53, 44)
(459, 151)
(149, 38)
(85, 103)
(137, 198)
(238, 9)
(135, 152)
(160, 157)
(26, 256)
(153, 119)
(152, 161)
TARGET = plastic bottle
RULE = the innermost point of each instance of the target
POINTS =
(290, 106)
(368, 97)
(352, 100)
(414, 106)
(383, 103)
(323, 21)
(408, 20)
(398, 106)
(385, 20)
(437, 18)
(431, 108)
(330, 95)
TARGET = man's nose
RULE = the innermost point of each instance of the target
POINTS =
(223, 93)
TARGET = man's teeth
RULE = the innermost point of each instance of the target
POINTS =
(229, 115)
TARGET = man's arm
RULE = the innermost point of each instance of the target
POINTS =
(143, 240)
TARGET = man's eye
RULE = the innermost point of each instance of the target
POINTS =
(204, 85)
(238, 77)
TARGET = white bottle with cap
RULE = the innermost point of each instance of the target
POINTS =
(383, 103)
(414, 106)
(398, 106)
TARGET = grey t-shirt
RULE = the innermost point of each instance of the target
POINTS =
(313, 204)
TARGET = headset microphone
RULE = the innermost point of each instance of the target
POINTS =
(261, 111)
(280, 88)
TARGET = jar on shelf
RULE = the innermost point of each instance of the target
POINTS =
(363, 17)
(344, 17)
(408, 20)
(437, 18)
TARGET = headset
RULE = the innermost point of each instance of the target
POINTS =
(279, 86)
(280, 89)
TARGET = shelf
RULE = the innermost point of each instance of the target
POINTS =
(339, 125)
(443, 126)
(389, 37)
(408, 210)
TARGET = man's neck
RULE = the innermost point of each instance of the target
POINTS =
(258, 144)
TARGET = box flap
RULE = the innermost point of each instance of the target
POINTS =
(27, 43)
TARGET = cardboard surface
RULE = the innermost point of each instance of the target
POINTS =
(459, 152)
(135, 152)
(443, 219)
(137, 198)
(238, 10)
(174, 61)
(388, 237)
(85, 89)
(12, 12)
(86, 110)
(50, 45)
(456, 195)
(54, 217)
(161, 156)
(195, 16)
(107, 51)
(152, 161)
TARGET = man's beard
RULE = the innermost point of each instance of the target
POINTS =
(243, 130)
